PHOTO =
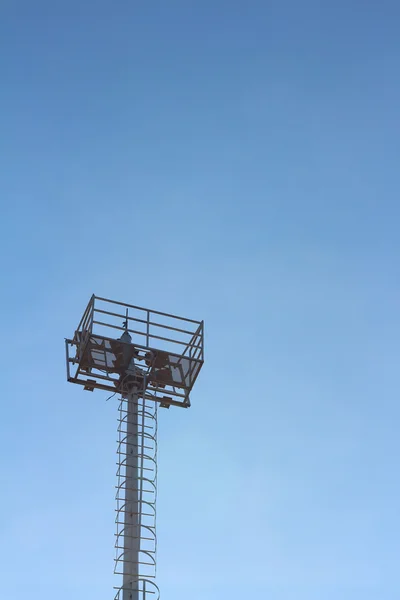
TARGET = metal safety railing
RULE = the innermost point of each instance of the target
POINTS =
(176, 345)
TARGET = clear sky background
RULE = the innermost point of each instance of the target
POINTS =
(236, 161)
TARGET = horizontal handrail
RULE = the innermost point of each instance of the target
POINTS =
(155, 312)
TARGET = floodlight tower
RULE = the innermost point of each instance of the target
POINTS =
(153, 362)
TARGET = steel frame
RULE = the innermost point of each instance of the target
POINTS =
(182, 342)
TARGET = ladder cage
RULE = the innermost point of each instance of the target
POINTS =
(136, 494)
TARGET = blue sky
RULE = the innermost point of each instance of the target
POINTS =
(231, 161)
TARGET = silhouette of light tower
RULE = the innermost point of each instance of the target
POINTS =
(153, 362)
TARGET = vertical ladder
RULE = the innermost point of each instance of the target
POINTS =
(136, 541)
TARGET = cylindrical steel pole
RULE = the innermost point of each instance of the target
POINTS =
(132, 499)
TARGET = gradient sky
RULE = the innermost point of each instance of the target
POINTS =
(231, 161)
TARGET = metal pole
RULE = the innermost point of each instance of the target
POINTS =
(132, 508)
